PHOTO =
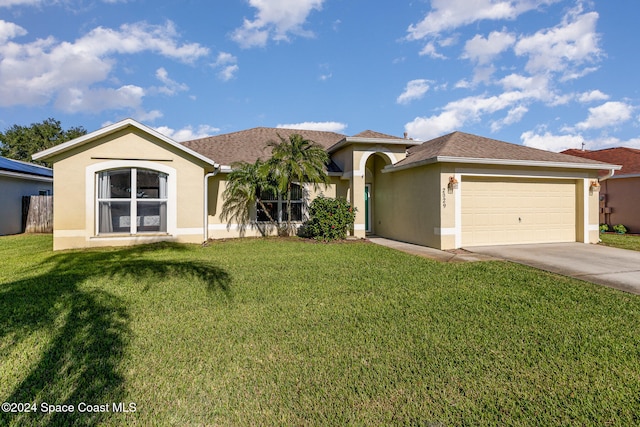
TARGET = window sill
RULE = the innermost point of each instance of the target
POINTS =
(115, 235)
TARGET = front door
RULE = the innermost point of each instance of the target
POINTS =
(367, 208)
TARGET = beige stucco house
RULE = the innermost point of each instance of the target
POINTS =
(455, 191)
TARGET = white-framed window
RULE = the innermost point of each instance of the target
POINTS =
(276, 205)
(126, 193)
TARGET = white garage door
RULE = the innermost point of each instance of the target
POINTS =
(504, 211)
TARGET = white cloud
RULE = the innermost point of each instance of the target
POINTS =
(594, 95)
(147, 116)
(430, 50)
(513, 116)
(562, 48)
(187, 133)
(171, 87)
(550, 142)
(74, 100)
(482, 50)
(608, 114)
(471, 109)
(450, 14)
(9, 30)
(609, 142)
(227, 64)
(9, 3)
(323, 126)
(275, 19)
(557, 143)
(414, 90)
(425, 128)
(75, 75)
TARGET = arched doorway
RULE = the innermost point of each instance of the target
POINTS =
(376, 191)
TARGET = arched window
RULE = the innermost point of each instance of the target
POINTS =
(129, 193)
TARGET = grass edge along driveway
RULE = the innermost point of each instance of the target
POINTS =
(285, 332)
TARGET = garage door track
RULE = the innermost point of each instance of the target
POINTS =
(613, 267)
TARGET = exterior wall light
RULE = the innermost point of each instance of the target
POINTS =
(595, 185)
(453, 184)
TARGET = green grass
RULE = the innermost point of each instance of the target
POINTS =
(285, 332)
(623, 241)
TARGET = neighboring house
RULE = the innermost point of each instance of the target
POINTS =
(620, 193)
(454, 191)
(18, 179)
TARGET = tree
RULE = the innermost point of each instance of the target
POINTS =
(296, 160)
(245, 184)
(20, 142)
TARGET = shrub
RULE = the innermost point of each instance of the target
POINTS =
(604, 228)
(620, 229)
(329, 219)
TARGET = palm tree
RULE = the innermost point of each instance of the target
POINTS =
(297, 160)
(245, 184)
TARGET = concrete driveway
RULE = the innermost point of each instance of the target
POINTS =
(616, 268)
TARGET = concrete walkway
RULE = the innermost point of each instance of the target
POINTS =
(425, 252)
(613, 267)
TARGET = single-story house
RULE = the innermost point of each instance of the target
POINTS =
(620, 192)
(18, 179)
(127, 183)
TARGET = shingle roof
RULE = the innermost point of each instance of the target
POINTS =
(250, 145)
(629, 158)
(464, 145)
(11, 165)
(372, 134)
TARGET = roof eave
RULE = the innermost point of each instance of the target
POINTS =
(504, 162)
(29, 176)
(115, 127)
(358, 140)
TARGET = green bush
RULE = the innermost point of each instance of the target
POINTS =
(620, 229)
(329, 219)
(604, 228)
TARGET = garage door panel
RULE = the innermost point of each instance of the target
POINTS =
(517, 211)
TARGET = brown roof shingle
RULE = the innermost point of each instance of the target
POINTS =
(629, 158)
(372, 134)
(251, 144)
(464, 145)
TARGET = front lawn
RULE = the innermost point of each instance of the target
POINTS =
(285, 332)
(622, 241)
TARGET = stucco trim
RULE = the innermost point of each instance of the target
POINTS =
(585, 208)
(69, 233)
(451, 231)
(368, 153)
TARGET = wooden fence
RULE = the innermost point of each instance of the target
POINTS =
(37, 214)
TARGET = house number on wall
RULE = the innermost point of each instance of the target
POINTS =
(444, 198)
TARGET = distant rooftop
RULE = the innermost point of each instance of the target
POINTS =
(629, 158)
(17, 166)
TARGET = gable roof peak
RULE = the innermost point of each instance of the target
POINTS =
(373, 134)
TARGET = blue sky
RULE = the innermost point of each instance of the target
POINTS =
(550, 74)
